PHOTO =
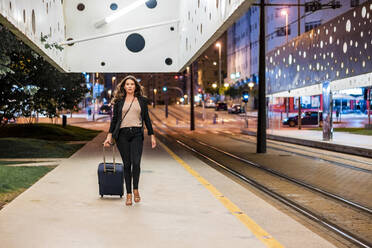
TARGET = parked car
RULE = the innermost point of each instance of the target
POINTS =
(221, 106)
(307, 118)
(210, 104)
(6, 120)
(236, 109)
(105, 110)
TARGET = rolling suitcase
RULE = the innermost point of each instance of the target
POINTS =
(110, 176)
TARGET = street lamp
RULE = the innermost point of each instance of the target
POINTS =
(284, 12)
(250, 85)
(214, 85)
(113, 85)
(218, 44)
(226, 85)
(155, 90)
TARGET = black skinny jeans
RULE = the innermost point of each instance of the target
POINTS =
(130, 144)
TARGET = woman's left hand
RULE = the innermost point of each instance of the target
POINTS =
(153, 141)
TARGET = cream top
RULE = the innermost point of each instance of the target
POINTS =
(133, 118)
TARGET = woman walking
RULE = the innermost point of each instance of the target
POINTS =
(126, 128)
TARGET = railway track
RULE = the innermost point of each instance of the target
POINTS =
(347, 219)
(303, 152)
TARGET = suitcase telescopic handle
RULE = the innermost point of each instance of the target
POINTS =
(113, 158)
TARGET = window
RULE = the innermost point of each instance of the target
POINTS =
(281, 31)
(311, 25)
(354, 3)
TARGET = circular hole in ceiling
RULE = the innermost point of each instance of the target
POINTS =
(172, 28)
(113, 6)
(71, 44)
(103, 63)
(135, 42)
(168, 61)
(151, 4)
(80, 7)
(33, 22)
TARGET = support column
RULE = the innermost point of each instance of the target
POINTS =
(299, 113)
(327, 112)
(369, 108)
(287, 106)
(192, 115)
(261, 125)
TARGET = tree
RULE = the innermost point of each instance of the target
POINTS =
(29, 84)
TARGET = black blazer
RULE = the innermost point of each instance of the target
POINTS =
(117, 115)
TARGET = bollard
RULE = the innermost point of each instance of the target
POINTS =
(64, 120)
(215, 118)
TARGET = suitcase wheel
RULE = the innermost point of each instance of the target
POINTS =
(101, 196)
(121, 196)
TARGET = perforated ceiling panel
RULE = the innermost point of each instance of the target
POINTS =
(203, 21)
(122, 36)
(335, 51)
(30, 20)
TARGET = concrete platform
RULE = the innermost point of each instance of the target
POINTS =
(64, 209)
(354, 144)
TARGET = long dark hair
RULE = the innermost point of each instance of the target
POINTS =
(120, 92)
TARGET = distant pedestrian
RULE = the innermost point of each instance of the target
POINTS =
(337, 114)
(130, 111)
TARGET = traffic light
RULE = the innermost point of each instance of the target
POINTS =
(245, 96)
(165, 88)
(255, 78)
(313, 6)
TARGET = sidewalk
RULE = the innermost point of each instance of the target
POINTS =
(64, 209)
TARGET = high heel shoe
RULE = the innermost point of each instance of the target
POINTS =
(137, 197)
(128, 202)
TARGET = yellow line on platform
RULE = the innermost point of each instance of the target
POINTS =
(260, 233)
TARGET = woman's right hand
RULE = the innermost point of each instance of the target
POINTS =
(108, 142)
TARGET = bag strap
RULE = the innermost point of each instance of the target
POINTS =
(128, 109)
(113, 158)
